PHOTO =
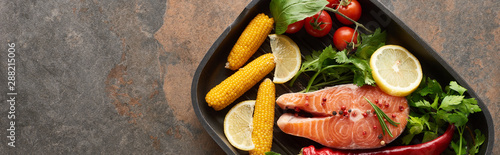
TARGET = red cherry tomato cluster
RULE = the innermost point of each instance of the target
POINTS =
(345, 35)
(320, 24)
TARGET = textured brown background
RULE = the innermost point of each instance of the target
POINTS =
(115, 77)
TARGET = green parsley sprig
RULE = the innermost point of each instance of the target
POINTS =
(331, 67)
(433, 109)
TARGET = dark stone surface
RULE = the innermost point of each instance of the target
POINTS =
(89, 80)
(114, 77)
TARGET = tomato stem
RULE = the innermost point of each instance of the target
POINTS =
(354, 34)
(351, 45)
(344, 2)
(315, 22)
(317, 19)
(357, 24)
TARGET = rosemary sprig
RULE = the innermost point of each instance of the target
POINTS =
(379, 113)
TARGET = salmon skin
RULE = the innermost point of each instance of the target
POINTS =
(342, 118)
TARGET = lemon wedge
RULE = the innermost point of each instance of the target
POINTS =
(238, 125)
(395, 70)
(287, 57)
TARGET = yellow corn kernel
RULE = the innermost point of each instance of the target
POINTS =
(237, 84)
(250, 40)
(263, 118)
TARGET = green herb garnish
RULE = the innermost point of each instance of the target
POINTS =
(434, 108)
(272, 153)
(332, 67)
(381, 115)
(370, 43)
(478, 141)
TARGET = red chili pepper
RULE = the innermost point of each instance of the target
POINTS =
(434, 147)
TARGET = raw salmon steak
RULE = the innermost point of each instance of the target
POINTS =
(342, 118)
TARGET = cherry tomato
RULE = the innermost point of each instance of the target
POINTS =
(319, 24)
(342, 36)
(352, 10)
(295, 27)
(332, 4)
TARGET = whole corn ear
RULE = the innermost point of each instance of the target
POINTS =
(263, 118)
(241, 81)
(250, 40)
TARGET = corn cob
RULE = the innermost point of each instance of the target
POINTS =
(250, 40)
(237, 84)
(263, 119)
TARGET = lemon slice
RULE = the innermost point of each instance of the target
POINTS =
(395, 70)
(238, 125)
(287, 58)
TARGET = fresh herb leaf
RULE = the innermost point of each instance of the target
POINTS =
(428, 136)
(417, 125)
(328, 53)
(310, 63)
(449, 102)
(432, 87)
(407, 139)
(471, 105)
(459, 119)
(360, 64)
(454, 86)
(435, 103)
(363, 77)
(341, 57)
(360, 67)
(362, 73)
(271, 153)
(478, 141)
(286, 12)
(370, 43)
(423, 104)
